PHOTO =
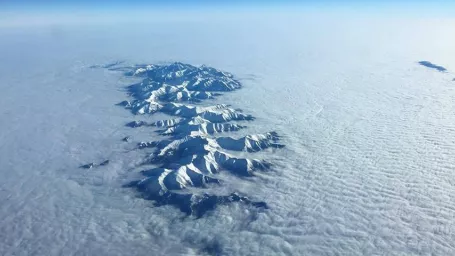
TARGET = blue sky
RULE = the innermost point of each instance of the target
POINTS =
(22, 10)
(44, 4)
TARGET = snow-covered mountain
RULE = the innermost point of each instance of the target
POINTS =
(192, 157)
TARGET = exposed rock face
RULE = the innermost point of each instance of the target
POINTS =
(433, 66)
(93, 165)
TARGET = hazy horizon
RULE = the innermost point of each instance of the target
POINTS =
(21, 13)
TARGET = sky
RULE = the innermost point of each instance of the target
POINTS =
(113, 4)
(28, 12)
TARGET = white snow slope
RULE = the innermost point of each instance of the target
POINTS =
(368, 167)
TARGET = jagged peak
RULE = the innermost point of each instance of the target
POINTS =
(191, 157)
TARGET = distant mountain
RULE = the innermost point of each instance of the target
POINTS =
(433, 66)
